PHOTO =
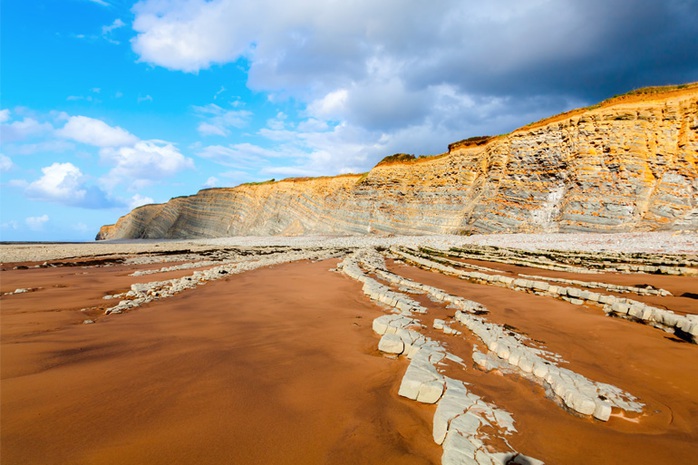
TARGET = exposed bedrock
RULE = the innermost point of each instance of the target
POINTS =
(626, 165)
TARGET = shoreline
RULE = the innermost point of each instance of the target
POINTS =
(680, 243)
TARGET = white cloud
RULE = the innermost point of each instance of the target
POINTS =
(74, 98)
(99, 2)
(330, 106)
(367, 87)
(143, 163)
(95, 132)
(139, 200)
(5, 163)
(66, 184)
(12, 224)
(147, 98)
(190, 35)
(26, 128)
(118, 23)
(313, 125)
(219, 121)
(61, 182)
(36, 223)
(211, 182)
(4, 115)
(208, 129)
(220, 91)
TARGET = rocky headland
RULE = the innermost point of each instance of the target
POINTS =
(626, 164)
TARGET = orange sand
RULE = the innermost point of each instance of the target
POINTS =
(280, 366)
(274, 366)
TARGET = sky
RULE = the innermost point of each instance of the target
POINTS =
(106, 105)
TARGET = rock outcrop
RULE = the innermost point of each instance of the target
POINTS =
(627, 164)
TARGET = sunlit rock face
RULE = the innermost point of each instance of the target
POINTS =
(627, 164)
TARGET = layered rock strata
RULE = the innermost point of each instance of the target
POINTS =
(143, 293)
(627, 164)
(684, 326)
(576, 392)
(461, 418)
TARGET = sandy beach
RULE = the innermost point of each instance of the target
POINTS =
(280, 364)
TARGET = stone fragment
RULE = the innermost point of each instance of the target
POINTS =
(573, 292)
(454, 402)
(391, 344)
(602, 411)
(430, 392)
(526, 364)
(540, 369)
(458, 450)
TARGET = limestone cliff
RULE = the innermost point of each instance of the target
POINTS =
(626, 164)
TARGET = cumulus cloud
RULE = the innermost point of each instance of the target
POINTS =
(66, 184)
(60, 182)
(95, 132)
(570, 47)
(143, 163)
(36, 223)
(177, 34)
(376, 77)
(464, 42)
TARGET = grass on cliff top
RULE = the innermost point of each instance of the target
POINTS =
(259, 183)
(635, 95)
(405, 158)
(300, 179)
(313, 178)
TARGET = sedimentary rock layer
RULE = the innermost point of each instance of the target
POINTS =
(628, 164)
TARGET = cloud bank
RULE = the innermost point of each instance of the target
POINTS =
(132, 163)
(408, 74)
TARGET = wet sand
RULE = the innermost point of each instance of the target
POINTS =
(277, 365)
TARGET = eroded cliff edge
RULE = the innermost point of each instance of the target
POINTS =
(627, 164)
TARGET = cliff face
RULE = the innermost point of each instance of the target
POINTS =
(628, 164)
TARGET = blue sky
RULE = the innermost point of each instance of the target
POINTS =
(109, 104)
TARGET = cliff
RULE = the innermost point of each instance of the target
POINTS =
(627, 164)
